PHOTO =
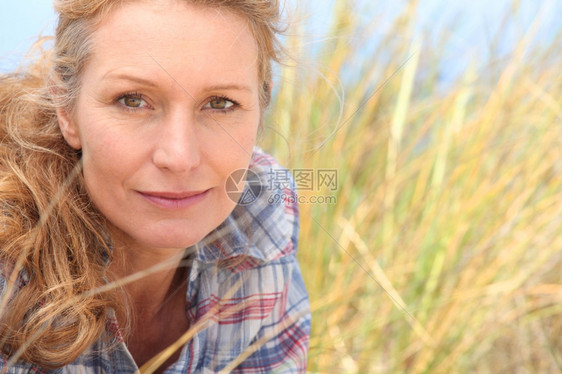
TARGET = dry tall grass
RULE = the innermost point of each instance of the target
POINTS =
(443, 251)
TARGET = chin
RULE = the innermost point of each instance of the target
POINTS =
(176, 237)
(174, 233)
(174, 243)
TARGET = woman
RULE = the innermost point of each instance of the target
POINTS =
(124, 157)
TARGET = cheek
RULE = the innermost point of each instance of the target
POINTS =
(100, 174)
(230, 146)
(107, 159)
(97, 152)
(238, 155)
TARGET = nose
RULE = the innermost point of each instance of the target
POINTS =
(178, 146)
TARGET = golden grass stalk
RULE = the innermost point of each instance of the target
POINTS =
(448, 196)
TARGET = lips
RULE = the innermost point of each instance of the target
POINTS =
(174, 200)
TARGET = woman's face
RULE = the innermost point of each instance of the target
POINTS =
(169, 107)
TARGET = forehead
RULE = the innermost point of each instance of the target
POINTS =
(177, 39)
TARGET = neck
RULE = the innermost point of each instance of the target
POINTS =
(151, 276)
(157, 297)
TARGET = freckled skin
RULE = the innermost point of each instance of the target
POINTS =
(169, 103)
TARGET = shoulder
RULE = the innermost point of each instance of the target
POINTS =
(11, 281)
(277, 195)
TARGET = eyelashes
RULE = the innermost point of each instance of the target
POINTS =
(221, 104)
(136, 102)
(132, 101)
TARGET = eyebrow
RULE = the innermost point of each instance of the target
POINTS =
(128, 77)
(147, 82)
(228, 87)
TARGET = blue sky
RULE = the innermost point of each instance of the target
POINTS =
(22, 20)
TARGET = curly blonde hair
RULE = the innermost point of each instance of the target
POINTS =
(54, 245)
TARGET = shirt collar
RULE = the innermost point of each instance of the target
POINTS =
(260, 230)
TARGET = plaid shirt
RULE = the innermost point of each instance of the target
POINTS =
(245, 297)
